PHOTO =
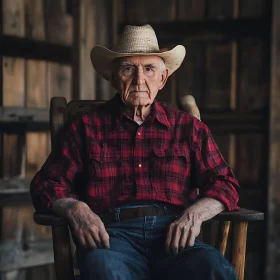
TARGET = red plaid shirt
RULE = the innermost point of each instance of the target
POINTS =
(106, 159)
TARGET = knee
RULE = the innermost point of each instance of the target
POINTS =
(208, 262)
(101, 263)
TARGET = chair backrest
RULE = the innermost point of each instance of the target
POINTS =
(61, 111)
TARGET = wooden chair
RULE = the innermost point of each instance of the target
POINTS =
(230, 227)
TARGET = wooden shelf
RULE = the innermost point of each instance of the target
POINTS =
(14, 191)
(19, 120)
(31, 49)
(229, 29)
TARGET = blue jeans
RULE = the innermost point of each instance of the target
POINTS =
(137, 252)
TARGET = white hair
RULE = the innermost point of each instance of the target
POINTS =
(162, 64)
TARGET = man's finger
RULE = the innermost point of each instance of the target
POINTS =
(94, 232)
(104, 237)
(168, 240)
(191, 238)
(177, 232)
(183, 239)
(82, 241)
(90, 241)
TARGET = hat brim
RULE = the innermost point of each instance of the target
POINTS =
(101, 58)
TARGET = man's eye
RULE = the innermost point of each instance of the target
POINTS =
(128, 69)
(148, 69)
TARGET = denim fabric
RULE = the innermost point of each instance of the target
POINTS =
(137, 252)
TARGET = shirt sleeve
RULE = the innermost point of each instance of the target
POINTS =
(213, 177)
(56, 178)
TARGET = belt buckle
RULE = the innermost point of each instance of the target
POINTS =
(117, 214)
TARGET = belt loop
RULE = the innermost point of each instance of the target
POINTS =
(117, 214)
(165, 210)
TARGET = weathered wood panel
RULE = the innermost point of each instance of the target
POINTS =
(253, 75)
(191, 74)
(13, 17)
(218, 75)
(253, 8)
(219, 9)
(58, 24)
(34, 19)
(273, 202)
(190, 9)
(13, 81)
(85, 16)
(251, 158)
(146, 11)
(36, 143)
(58, 81)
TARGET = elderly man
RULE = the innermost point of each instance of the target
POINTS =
(125, 174)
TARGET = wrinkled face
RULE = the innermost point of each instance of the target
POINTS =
(139, 78)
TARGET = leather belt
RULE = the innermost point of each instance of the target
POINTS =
(137, 212)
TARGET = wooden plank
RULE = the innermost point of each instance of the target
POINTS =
(253, 75)
(26, 48)
(191, 74)
(218, 75)
(145, 11)
(176, 31)
(103, 34)
(58, 81)
(86, 40)
(34, 19)
(59, 25)
(191, 9)
(272, 270)
(36, 143)
(36, 84)
(13, 81)
(13, 95)
(13, 17)
(253, 8)
(251, 157)
(219, 9)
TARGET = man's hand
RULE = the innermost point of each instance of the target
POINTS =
(182, 232)
(87, 227)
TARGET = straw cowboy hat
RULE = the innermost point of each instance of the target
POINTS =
(136, 40)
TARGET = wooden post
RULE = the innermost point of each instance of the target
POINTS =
(221, 242)
(239, 247)
(62, 253)
(272, 270)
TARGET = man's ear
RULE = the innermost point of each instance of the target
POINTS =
(113, 80)
(164, 77)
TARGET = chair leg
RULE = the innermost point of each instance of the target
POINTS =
(62, 253)
(221, 242)
(239, 247)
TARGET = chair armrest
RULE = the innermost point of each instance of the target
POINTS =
(49, 220)
(242, 215)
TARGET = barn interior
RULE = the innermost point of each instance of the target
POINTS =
(232, 69)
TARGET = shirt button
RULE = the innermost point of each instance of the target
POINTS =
(138, 133)
(140, 165)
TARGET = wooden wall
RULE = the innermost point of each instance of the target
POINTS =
(226, 70)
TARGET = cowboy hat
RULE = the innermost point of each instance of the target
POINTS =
(136, 40)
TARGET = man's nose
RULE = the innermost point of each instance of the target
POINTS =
(139, 77)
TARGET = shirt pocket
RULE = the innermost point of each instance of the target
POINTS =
(169, 171)
(104, 168)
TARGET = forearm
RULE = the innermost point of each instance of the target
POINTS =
(61, 206)
(205, 209)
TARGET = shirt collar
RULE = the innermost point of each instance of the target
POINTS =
(116, 106)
